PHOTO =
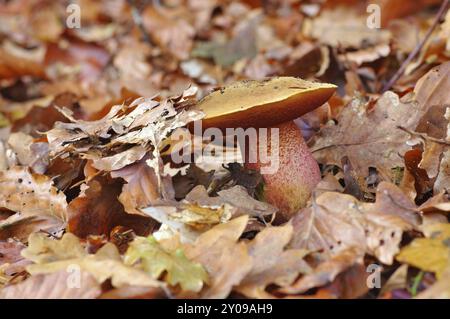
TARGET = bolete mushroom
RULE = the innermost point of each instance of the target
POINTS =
(273, 103)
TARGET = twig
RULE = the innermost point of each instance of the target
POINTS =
(418, 48)
(424, 136)
(137, 19)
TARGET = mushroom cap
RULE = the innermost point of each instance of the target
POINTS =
(264, 103)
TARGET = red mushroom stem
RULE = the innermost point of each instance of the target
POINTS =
(290, 187)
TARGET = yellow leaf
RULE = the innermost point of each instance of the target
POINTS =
(156, 260)
(51, 256)
(429, 254)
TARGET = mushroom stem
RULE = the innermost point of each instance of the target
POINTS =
(290, 187)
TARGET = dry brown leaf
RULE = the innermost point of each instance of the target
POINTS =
(36, 202)
(14, 66)
(326, 272)
(10, 259)
(97, 211)
(438, 203)
(272, 264)
(432, 93)
(50, 256)
(141, 189)
(195, 214)
(120, 160)
(54, 286)
(238, 197)
(125, 134)
(337, 222)
(443, 180)
(170, 30)
(355, 137)
(344, 27)
(31, 194)
(225, 259)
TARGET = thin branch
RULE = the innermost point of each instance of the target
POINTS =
(137, 19)
(424, 136)
(418, 48)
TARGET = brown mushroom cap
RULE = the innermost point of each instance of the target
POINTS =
(262, 103)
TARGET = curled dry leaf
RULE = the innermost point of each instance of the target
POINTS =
(34, 200)
(141, 189)
(443, 179)
(198, 211)
(272, 263)
(31, 194)
(193, 215)
(29, 153)
(438, 203)
(97, 210)
(326, 272)
(17, 65)
(124, 136)
(237, 196)
(431, 92)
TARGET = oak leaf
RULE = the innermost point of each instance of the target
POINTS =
(366, 147)
(431, 253)
(50, 256)
(156, 260)
(225, 259)
(272, 263)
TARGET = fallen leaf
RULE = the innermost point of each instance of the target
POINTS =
(34, 200)
(97, 211)
(10, 258)
(170, 30)
(50, 256)
(431, 92)
(272, 263)
(326, 272)
(239, 198)
(141, 189)
(155, 260)
(225, 259)
(337, 222)
(345, 27)
(430, 253)
(365, 147)
(53, 286)
(195, 214)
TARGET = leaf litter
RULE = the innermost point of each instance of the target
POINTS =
(87, 120)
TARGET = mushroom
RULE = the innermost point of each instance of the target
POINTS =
(273, 103)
